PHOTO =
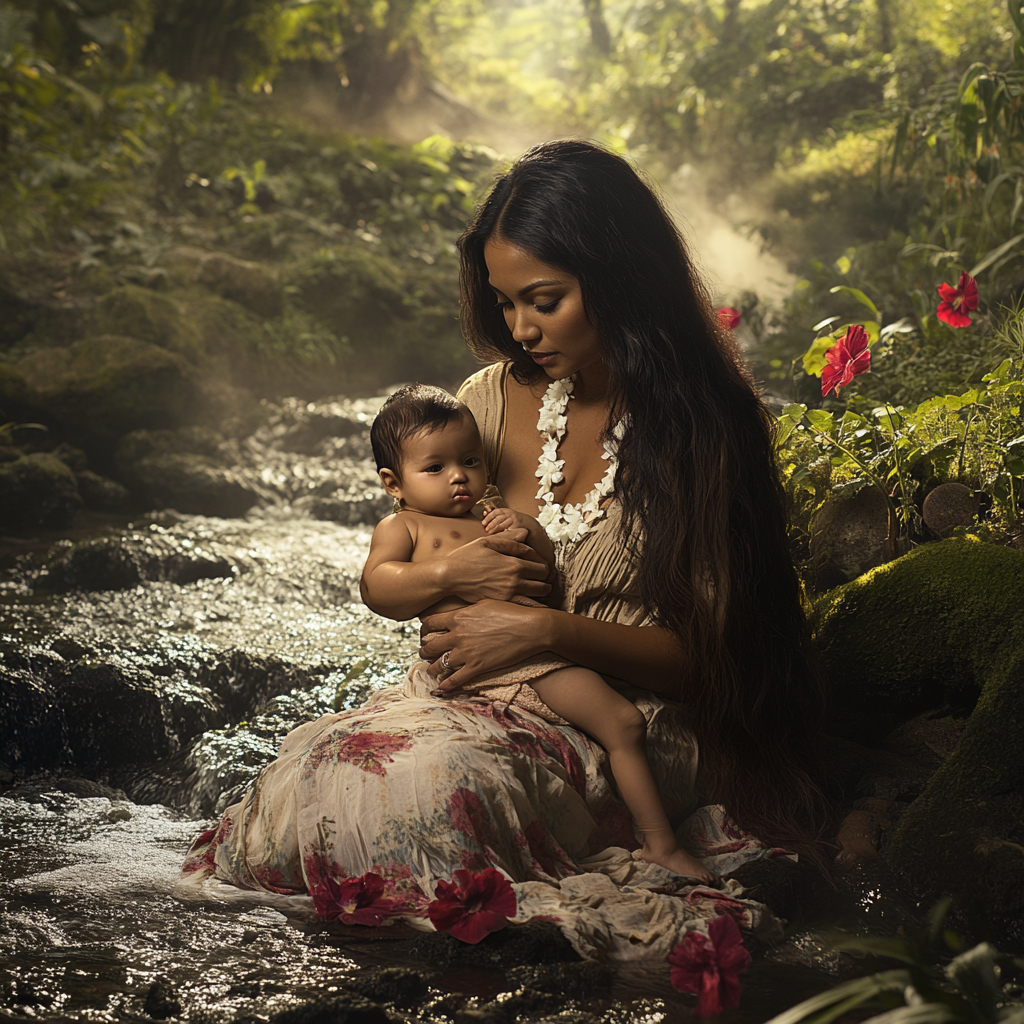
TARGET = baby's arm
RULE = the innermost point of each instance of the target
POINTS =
(499, 519)
(391, 549)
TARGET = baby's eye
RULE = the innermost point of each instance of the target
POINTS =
(471, 462)
(434, 469)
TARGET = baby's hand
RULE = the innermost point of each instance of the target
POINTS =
(499, 519)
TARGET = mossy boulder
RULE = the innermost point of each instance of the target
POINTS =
(182, 469)
(37, 490)
(254, 286)
(103, 387)
(943, 627)
(15, 403)
(141, 313)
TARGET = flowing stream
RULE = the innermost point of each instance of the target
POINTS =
(149, 670)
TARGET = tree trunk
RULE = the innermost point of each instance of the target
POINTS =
(600, 38)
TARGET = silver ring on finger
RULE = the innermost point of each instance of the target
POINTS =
(448, 670)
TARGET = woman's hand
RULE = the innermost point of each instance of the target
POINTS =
(482, 637)
(496, 568)
(499, 568)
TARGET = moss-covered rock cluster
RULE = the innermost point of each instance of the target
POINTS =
(251, 257)
(942, 629)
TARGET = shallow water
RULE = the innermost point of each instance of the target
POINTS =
(93, 908)
(94, 913)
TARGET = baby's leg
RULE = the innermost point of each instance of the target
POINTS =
(582, 697)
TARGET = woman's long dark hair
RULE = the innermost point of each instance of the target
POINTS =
(696, 480)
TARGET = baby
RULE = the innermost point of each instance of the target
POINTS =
(431, 461)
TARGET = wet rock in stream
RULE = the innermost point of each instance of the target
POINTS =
(133, 656)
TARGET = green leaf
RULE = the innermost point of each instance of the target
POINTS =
(974, 973)
(843, 265)
(821, 420)
(786, 427)
(860, 989)
(795, 410)
(993, 254)
(1001, 372)
(923, 1013)
(857, 294)
(821, 324)
(905, 325)
(814, 357)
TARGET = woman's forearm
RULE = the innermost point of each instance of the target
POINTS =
(647, 656)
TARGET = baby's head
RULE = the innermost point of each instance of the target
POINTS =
(428, 451)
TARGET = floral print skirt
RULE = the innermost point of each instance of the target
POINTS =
(413, 788)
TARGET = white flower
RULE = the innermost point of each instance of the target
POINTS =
(567, 523)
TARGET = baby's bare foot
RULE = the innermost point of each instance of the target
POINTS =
(679, 861)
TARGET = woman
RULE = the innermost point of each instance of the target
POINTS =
(657, 480)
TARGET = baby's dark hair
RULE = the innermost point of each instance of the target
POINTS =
(409, 410)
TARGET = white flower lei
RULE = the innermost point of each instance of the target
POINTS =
(565, 524)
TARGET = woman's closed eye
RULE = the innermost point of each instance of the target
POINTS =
(546, 307)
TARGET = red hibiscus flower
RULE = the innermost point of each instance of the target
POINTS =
(729, 317)
(958, 302)
(355, 900)
(709, 966)
(473, 905)
(847, 358)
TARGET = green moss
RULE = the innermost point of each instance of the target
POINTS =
(942, 625)
(917, 632)
(37, 490)
(106, 386)
(135, 312)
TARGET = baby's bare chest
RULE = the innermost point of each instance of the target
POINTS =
(437, 537)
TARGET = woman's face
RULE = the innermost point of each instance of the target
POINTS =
(543, 308)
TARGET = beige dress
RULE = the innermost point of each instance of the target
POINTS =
(412, 788)
(595, 575)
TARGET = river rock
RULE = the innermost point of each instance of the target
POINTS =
(942, 628)
(99, 709)
(37, 490)
(183, 469)
(849, 535)
(399, 986)
(252, 285)
(193, 483)
(101, 493)
(949, 506)
(136, 312)
(126, 560)
(334, 1010)
(106, 386)
(162, 1000)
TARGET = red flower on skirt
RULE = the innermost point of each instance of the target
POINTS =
(729, 317)
(847, 358)
(958, 302)
(356, 900)
(709, 966)
(473, 904)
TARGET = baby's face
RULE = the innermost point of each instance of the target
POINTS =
(442, 472)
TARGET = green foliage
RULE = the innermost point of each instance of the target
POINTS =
(975, 438)
(136, 176)
(967, 990)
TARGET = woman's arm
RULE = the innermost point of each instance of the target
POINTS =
(497, 568)
(492, 634)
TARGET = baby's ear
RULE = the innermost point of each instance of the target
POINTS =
(391, 483)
